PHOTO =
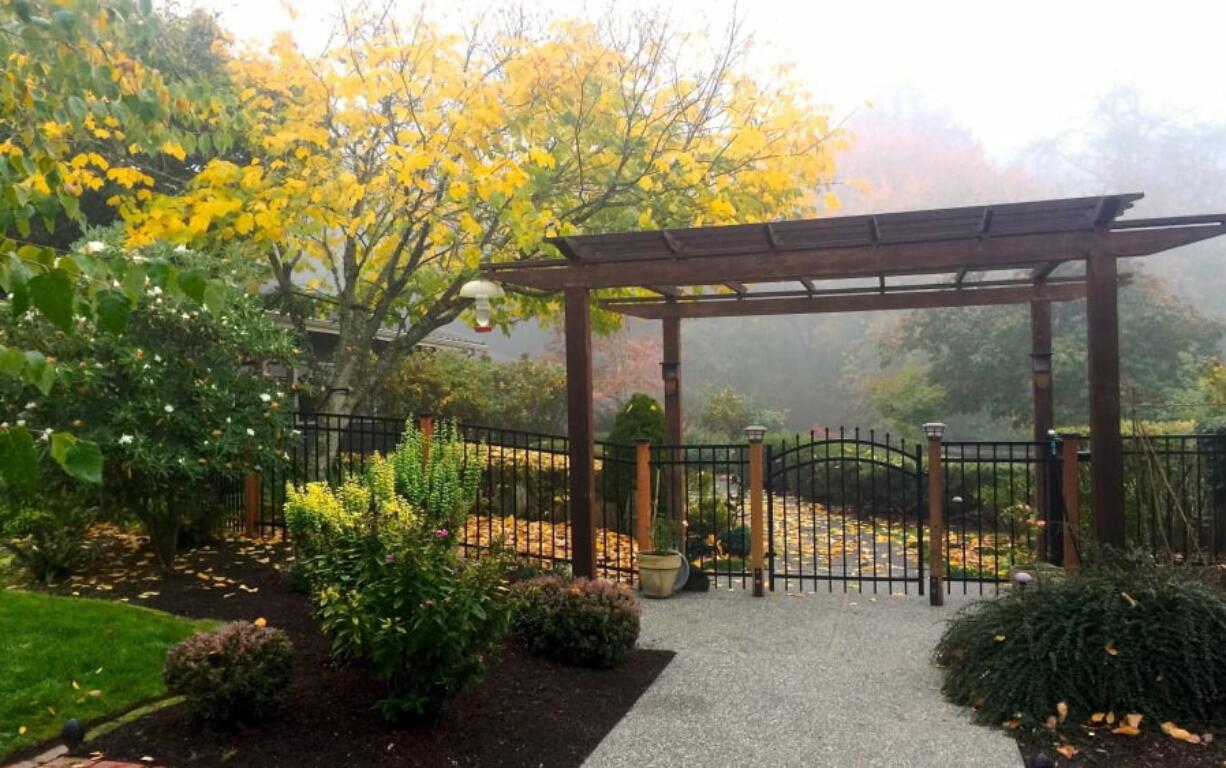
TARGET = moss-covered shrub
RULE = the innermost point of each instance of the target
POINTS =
(1122, 637)
(584, 623)
(237, 674)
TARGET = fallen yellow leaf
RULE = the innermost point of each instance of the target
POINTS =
(999, 638)
(1097, 717)
(1068, 750)
(1133, 719)
(1126, 730)
(76, 686)
(22, 731)
(261, 622)
(1132, 602)
(1110, 718)
(1011, 724)
(1175, 732)
(1111, 649)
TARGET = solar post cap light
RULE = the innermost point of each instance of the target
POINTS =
(482, 291)
(934, 430)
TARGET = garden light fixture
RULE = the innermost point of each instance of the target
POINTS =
(934, 430)
(755, 433)
(481, 291)
(1023, 579)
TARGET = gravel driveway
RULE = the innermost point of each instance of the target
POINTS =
(839, 680)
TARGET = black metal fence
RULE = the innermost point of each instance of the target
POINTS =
(706, 487)
(845, 508)
(1174, 496)
(1000, 510)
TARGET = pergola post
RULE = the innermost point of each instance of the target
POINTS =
(581, 431)
(1043, 408)
(670, 369)
(1106, 449)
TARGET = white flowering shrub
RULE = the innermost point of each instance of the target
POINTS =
(174, 401)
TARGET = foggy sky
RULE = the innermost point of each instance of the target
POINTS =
(1010, 72)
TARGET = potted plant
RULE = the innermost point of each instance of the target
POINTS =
(658, 568)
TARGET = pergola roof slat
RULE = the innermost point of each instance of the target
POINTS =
(912, 226)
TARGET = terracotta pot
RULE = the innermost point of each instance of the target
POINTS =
(658, 573)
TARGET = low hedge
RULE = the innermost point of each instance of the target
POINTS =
(237, 674)
(583, 622)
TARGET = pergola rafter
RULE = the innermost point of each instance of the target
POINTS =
(736, 271)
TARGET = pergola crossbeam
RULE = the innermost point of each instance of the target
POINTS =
(855, 302)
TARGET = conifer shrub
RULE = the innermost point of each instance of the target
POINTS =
(1125, 636)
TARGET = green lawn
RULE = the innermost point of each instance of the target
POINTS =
(69, 657)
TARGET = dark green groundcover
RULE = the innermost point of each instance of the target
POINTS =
(1127, 636)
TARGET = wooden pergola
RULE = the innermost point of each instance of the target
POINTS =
(1034, 252)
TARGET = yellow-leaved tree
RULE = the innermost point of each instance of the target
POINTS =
(386, 169)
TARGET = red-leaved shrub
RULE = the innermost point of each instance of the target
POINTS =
(583, 622)
(236, 674)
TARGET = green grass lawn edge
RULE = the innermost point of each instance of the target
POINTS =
(113, 651)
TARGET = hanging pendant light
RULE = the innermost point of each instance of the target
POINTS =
(481, 291)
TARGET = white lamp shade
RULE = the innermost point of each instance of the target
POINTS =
(481, 289)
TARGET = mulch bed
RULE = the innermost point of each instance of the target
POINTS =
(1149, 749)
(527, 712)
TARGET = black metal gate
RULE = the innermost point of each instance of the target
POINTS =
(845, 509)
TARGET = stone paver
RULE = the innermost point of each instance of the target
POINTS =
(822, 680)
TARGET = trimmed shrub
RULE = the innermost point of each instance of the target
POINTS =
(584, 622)
(237, 674)
(737, 542)
(1124, 637)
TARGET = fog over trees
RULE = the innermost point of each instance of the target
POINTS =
(970, 367)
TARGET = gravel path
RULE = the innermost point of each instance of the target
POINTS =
(820, 680)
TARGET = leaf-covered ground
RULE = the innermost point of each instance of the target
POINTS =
(64, 657)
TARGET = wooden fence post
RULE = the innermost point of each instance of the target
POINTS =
(757, 528)
(252, 501)
(1071, 491)
(642, 503)
(936, 510)
(425, 423)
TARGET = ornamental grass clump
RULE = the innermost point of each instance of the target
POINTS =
(1127, 636)
(237, 674)
(380, 554)
(586, 623)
